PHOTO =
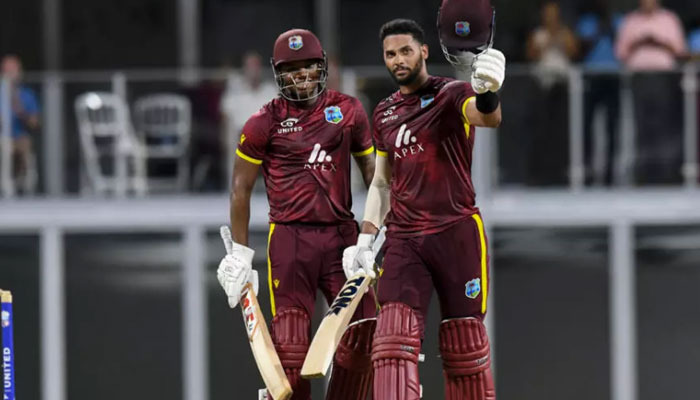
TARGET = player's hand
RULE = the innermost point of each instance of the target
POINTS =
(359, 258)
(236, 269)
(488, 71)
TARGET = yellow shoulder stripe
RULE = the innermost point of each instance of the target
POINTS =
(364, 152)
(248, 158)
(464, 109)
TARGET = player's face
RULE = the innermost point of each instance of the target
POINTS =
(301, 78)
(404, 58)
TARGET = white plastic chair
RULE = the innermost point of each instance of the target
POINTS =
(106, 133)
(163, 124)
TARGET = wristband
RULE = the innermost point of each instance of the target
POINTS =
(488, 102)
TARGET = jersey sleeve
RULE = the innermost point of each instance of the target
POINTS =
(460, 94)
(361, 136)
(252, 143)
(377, 137)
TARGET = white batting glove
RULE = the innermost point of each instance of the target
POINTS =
(488, 71)
(236, 269)
(359, 258)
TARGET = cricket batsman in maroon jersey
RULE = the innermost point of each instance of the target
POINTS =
(304, 140)
(422, 191)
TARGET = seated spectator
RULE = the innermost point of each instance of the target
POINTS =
(650, 43)
(596, 29)
(25, 122)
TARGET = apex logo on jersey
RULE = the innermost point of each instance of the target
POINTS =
(295, 42)
(473, 288)
(288, 126)
(333, 114)
(462, 28)
(320, 160)
(426, 100)
(406, 144)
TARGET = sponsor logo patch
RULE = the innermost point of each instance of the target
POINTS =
(243, 138)
(425, 101)
(462, 28)
(333, 114)
(406, 144)
(473, 288)
(320, 160)
(296, 42)
(345, 296)
(251, 322)
(289, 126)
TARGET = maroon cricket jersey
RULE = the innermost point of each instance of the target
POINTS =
(305, 155)
(429, 143)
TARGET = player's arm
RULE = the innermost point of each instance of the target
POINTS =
(366, 164)
(245, 174)
(488, 73)
(488, 118)
(362, 148)
(378, 196)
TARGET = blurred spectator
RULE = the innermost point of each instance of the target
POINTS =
(552, 47)
(596, 29)
(25, 122)
(245, 95)
(651, 38)
(649, 43)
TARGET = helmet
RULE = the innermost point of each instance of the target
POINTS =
(298, 45)
(465, 26)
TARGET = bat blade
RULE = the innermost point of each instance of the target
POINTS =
(264, 351)
(331, 330)
(320, 354)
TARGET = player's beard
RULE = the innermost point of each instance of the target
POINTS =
(411, 77)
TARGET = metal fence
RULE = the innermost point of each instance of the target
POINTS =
(540, 144)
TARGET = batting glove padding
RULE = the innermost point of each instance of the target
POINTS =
(236, 269)
(359, 258)
(488, 71)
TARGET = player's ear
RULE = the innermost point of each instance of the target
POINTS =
(424, 51)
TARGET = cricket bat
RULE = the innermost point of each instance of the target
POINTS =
(260, 340)
(331, 330)
(264, 351)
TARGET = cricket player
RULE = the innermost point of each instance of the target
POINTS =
(303, 140)
(422, 191)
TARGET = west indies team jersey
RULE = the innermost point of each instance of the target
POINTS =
(428, 142)
(305, 156)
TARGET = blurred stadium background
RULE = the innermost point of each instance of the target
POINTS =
(595, 284)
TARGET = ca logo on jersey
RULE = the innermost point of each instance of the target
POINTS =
(472, 288)
(320, 160)
(333, 114)
(406, 144)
